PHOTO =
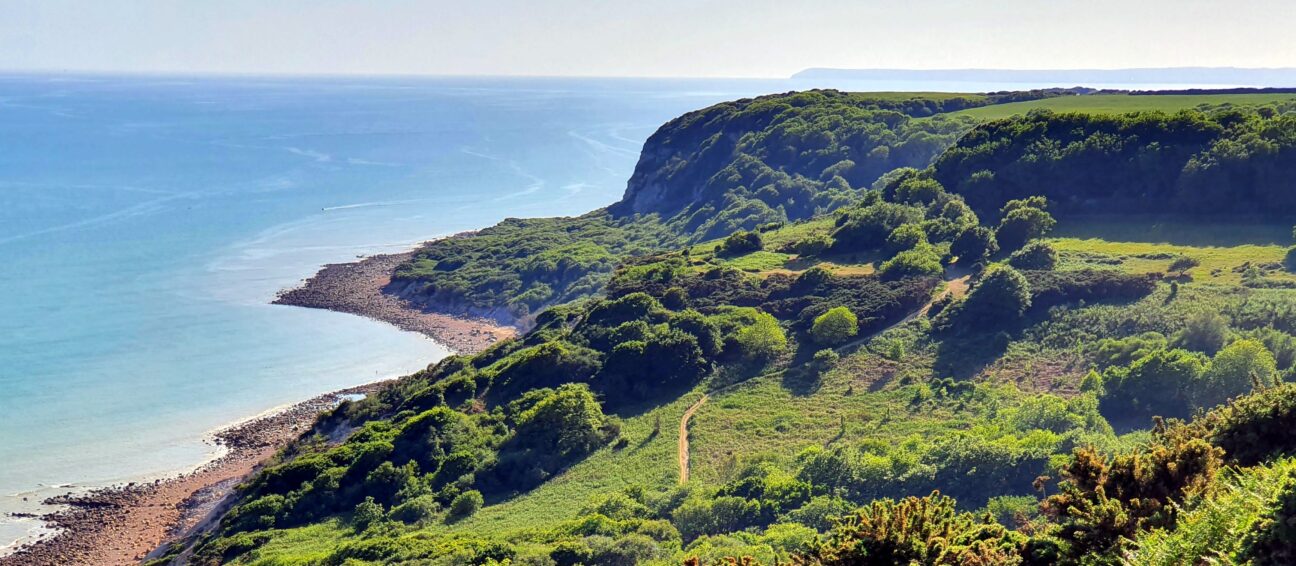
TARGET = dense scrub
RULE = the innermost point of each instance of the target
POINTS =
(1235, 160)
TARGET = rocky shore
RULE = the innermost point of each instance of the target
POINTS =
(360, 288)
(123, 524)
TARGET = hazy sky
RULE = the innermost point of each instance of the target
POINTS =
(753, 38)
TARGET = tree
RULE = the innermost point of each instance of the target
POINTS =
(741, 242)
(467, 503)
(1235, 369)
(906, 237)
(1164, 383)
(1023, 221)
(763, 339)
(1002, 294)
(973, 244)
(1204, 331)
(1037, 256)
(367, 513)
(1182, 264)
(835, 326)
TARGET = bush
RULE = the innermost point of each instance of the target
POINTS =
(763, 339)
(824, 360)
(868, 227)
(416, 510)
(466, 504)
(813, 245)
(740, 243)
(927, 530)
(920, 262)
(367, 513)
(1205, 331)
(1023, 221)
(1235, 369)
(1164, 382)
(906, 237)
(974, 244)
(834, 327)
(1290, 260)
(1182, 264)
(1037, 256)
(1001, 294)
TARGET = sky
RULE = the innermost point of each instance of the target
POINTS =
(648, 38)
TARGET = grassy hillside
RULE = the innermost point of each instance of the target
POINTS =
(797, 389)
(1123, 104)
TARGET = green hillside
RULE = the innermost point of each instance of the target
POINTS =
(1124, 103)
(798, 386)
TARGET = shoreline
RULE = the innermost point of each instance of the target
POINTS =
(125, 524)
(359, 288)
(122, 524)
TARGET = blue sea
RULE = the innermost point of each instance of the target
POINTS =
(147, 221)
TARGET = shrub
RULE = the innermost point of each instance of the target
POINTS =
(906, 237)
(926, 530)
(1182, 264)
(1204, 331)
(1002, 294)
(1256, 427)
(1235, 369)
(1023, 221)
(416, 510)
(974, 244)
(868, 227)
(763, 339)
(813, 245)
(1290, 260)
(920, 262)
(1034, 256)
(1164, 382)
(835, 326)
(466, 504)
(742, 242)
(367, 513)
(824, 360)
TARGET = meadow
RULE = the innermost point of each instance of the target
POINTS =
(1122, 103)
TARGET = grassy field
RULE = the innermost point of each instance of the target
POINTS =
(1121, 103)
(1225, 250)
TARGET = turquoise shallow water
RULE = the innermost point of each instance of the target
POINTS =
(146, 222)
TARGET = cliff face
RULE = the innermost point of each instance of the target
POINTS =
(677, 160)
(785, 156)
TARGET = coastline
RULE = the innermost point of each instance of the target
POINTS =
(126, 524)
(360, 288)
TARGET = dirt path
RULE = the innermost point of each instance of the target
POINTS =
(683, 439)
(957, 287)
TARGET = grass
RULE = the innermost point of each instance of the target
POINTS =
(1149, 247)
(1120, 104)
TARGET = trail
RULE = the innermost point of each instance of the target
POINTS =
(683, 439)
(958, 287)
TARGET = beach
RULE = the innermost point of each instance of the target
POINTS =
(126, 524)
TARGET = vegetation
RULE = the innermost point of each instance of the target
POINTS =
(889, 352)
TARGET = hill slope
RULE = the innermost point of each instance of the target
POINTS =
(853, 360)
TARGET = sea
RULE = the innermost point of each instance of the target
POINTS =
(146, 222)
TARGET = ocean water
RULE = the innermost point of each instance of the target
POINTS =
(146, 222)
